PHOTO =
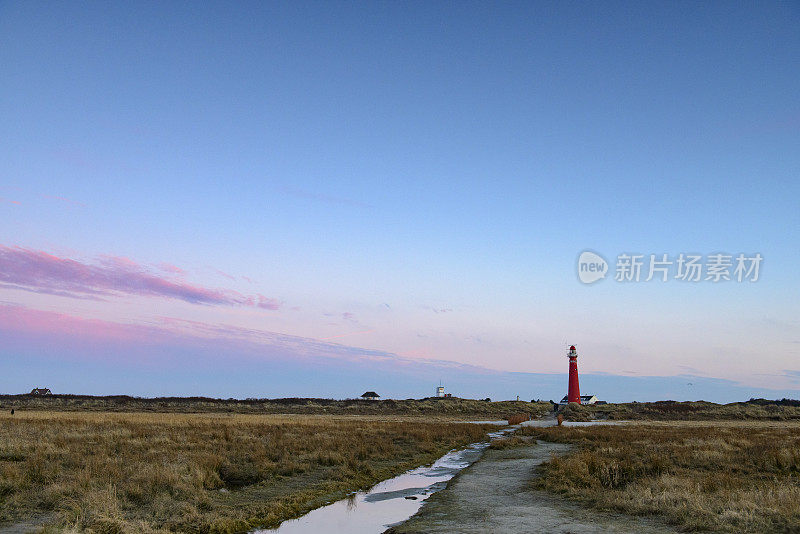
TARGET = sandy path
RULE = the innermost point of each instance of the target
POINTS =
(494, 495)
(29, 526)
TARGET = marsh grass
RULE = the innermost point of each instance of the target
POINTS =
(108, 473)
(510, 443)
(752, 410)
(450, 407)
(727, 478)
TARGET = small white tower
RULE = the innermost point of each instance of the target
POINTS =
(440, 391)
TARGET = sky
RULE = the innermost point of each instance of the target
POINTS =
(322, 198)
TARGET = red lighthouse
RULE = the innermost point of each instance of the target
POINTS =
(574, 392)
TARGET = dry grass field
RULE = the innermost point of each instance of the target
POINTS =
(121, 464)
(752, 410)
(452, 407)
(149, 472)
(729, 476)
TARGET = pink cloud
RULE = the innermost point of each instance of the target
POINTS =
(169, 268)
(22, 320)
(64, 330)
(347, 335)
(226, 275)
(267, 303)
(40, 272)
(15, 202)
(350, 317)
(118, 261)
(175, 343)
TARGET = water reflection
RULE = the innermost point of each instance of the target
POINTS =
(394, 500)
(387, 503)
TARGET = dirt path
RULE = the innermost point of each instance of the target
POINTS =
(494, 495)
(29, 526)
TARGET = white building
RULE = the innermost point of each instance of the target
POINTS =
(440, 391)
(585, 399)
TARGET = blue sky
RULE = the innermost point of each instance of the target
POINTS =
(410, 178)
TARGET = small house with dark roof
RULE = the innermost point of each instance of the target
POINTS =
(585, 399)
(41, 391)
(370, 395)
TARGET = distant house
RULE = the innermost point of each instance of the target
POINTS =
(41, 391)
(370, 395)
(585, 399)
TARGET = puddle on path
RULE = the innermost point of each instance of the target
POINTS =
(386, 503)
(551, 421)
(394, 500)
(499, 422)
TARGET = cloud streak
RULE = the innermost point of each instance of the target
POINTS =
(231, 360)
(40, 272)
(229, 342)
(226, 360)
